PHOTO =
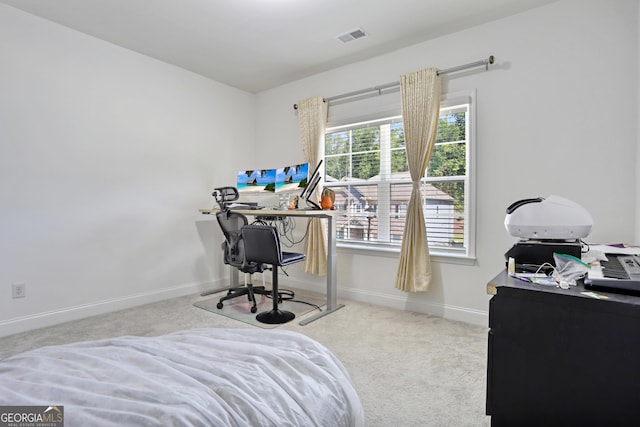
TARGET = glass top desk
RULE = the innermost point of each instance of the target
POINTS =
(332, 258)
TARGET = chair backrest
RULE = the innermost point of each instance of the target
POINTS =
(262, 244)
(231, 224)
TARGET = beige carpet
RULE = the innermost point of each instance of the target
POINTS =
(409, 369)
(240, 308)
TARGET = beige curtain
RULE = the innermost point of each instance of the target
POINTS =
(420, 93)
(312, 118)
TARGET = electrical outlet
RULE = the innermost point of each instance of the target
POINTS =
(19, 290)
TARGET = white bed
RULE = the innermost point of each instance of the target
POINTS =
(200, 377)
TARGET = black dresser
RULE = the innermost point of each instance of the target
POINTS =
(562, 358)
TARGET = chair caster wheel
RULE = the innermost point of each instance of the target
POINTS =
(254, 309)
(219, 306)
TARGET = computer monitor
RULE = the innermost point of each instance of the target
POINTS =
(312, 183)
(292, 178)
(256, 181)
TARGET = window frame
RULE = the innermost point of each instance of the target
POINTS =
(438, 254)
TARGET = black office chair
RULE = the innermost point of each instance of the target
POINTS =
(262, 246)
(231, 224)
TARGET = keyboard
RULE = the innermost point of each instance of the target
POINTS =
(620, 272)
(246, 207)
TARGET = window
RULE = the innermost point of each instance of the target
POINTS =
(366, 166)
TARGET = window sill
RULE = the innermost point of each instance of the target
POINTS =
(394, 252)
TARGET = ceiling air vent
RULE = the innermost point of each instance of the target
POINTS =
(352, 35)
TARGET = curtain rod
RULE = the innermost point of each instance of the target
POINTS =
(380, 88)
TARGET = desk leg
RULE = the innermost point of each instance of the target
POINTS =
(233, 277)
(332, 274)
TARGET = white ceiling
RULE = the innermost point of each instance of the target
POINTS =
(259, 44)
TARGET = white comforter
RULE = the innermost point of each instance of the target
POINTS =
(201, 377)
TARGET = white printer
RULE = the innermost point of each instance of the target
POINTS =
(544, 226)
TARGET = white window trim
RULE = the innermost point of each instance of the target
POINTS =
(449, 257)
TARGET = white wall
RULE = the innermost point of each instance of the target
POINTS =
(556, 115)
(106, 157)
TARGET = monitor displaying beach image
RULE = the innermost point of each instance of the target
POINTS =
(292, 178)
(256, 181)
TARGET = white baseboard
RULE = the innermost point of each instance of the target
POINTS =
(450, 312)
(54, 317)
(50, 318)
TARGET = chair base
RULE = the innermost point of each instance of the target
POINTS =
(249, 290)
(275, 317)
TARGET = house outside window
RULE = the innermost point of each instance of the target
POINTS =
(366, 166)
